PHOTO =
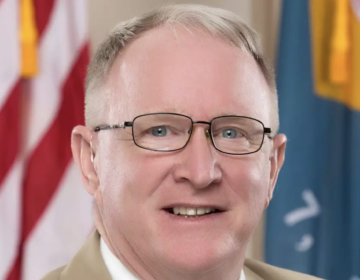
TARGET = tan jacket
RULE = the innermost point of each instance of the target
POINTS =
(88, 264)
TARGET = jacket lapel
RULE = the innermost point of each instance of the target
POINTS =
(88, 263)
(250, 275)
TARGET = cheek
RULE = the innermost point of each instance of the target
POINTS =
(123, 191)
(128, 188)
(130, 178)
(249, 180)
(119, 182)
(249, 177)
(259, 176)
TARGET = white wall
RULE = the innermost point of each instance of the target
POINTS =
(262, 15)
(104, 14)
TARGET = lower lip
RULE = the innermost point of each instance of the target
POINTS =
(193, 220)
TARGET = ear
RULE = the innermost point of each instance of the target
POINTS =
(83, 154)
(276, 161)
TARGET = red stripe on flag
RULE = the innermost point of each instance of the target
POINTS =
(50, 159)
(15, 272)
(43, 10)
(10, 130)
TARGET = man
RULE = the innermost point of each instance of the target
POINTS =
(180, 149)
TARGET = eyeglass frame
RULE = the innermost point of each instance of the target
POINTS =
(266, 131)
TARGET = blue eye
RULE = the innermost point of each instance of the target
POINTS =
(229, 133)
(159, 131)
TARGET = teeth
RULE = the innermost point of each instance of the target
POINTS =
(182, 210)
(176, 210)
(201, 211)
(192, 212)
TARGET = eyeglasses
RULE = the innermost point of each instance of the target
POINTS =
(169, 132)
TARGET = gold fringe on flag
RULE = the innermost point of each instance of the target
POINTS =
(340, 43)
(335, 30)
(28, 38)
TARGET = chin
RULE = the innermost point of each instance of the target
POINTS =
(197, 256)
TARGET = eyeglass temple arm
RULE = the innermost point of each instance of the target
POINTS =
(267, 131)
(119, 125)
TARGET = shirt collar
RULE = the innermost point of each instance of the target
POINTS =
(117, 270)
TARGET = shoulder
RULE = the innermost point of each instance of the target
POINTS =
(87, 264)
(270, 272)
(54, 275)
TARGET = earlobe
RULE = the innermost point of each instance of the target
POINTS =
(83, 154)
(91, 153)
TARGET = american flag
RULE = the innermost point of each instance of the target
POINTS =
(45, 215)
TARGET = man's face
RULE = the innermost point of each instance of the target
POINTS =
(202, 77)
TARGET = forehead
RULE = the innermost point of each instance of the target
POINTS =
(186, 71)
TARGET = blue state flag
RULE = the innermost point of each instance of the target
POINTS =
(313, 222)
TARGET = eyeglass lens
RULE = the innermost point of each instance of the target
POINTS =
(169, 132)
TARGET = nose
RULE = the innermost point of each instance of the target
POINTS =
(197, 162)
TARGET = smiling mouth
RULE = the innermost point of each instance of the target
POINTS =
(192, 212)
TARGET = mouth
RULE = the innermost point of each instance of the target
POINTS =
(192, 212)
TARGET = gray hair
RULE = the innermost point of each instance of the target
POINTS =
(217, 22)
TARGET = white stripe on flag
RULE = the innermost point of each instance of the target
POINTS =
(62, 229)
(9, 48)
(10, 188)
(67, 220)
(65, 34)
(10, 217)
